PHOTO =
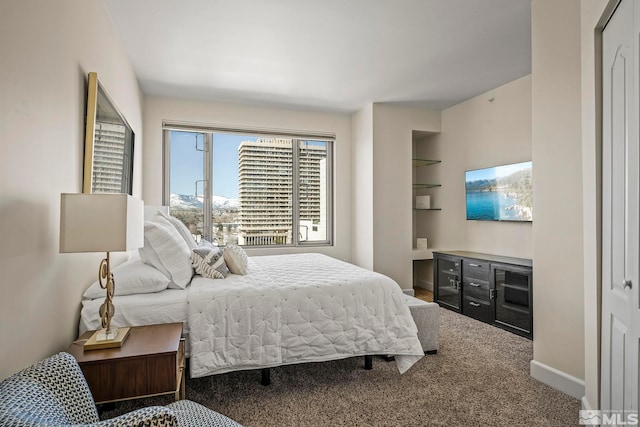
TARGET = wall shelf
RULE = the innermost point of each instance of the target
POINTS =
(417, 186)
(422, 254)
(423, 162)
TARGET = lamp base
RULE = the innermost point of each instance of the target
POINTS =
(103, 335)
(100, 339)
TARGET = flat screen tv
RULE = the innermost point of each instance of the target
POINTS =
(500, 193)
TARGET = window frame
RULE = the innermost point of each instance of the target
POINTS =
(296, 138)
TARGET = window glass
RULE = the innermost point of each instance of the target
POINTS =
(186, 180)
(259, 188)
(266, 193)
(312, 190)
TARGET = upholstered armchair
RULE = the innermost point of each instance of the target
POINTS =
(53, 392)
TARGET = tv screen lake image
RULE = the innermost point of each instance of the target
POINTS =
(502, 193)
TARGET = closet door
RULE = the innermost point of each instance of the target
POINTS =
(620, 325)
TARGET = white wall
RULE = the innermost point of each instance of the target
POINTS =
(491, 129)
(212, 113)
(47, 49)
(499, 132)
(558, 193)
(393, 128)
(362, 187)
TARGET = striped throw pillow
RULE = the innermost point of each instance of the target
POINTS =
(208, 260)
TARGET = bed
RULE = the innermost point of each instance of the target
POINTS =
(288, 309)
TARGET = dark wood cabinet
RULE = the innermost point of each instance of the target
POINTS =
(491, 288)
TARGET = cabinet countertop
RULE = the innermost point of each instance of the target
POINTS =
(489, 257)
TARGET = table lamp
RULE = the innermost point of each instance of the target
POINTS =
(102, 223)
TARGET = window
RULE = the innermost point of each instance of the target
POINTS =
(250, 189)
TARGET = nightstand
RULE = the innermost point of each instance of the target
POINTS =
(149, 363)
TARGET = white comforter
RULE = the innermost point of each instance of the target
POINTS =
(295, 309)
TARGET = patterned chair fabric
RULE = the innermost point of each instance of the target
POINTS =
(193, 414)
(54, 392)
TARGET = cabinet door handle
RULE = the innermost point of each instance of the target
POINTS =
(626, 283)
(475, 265)
(475, 285)
(474, 304)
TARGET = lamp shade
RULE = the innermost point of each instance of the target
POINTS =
(100, 223)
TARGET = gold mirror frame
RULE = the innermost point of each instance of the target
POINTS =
(108, 145)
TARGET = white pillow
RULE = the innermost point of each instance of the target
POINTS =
(180, 227)
(132, 277)
(150, 257)
(172, 250)
(236, 259)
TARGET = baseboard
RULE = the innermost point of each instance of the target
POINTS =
(410, 292)
(557, 379)
(585, 404)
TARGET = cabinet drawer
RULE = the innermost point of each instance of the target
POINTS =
(475, 269)
(477, 309)
(475, 288)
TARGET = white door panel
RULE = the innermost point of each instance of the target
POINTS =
(620, 240)
(618, 342)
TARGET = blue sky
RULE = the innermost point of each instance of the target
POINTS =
(186, 164)
(496, 172)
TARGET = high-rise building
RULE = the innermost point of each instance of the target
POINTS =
(108, 159)
(265, 172)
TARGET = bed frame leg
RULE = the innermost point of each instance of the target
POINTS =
(431, 352)
(266, 376)
(368, 362)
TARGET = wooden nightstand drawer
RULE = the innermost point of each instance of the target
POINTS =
(130, 378)
(150, 362)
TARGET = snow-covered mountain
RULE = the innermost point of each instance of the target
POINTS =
(221, 202)
(181, 201)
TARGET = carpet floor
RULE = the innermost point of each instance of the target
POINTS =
(480, 377)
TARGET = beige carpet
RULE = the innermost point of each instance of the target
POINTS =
(480, 377)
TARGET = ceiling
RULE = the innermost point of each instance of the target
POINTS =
(329, 55)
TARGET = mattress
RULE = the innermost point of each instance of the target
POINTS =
(167, 306)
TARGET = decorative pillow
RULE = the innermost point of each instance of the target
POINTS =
(236, 259)
(171, 249)
(208, 261)
(132, 277)
(182, 229)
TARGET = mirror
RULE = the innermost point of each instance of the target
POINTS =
(108, 146)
